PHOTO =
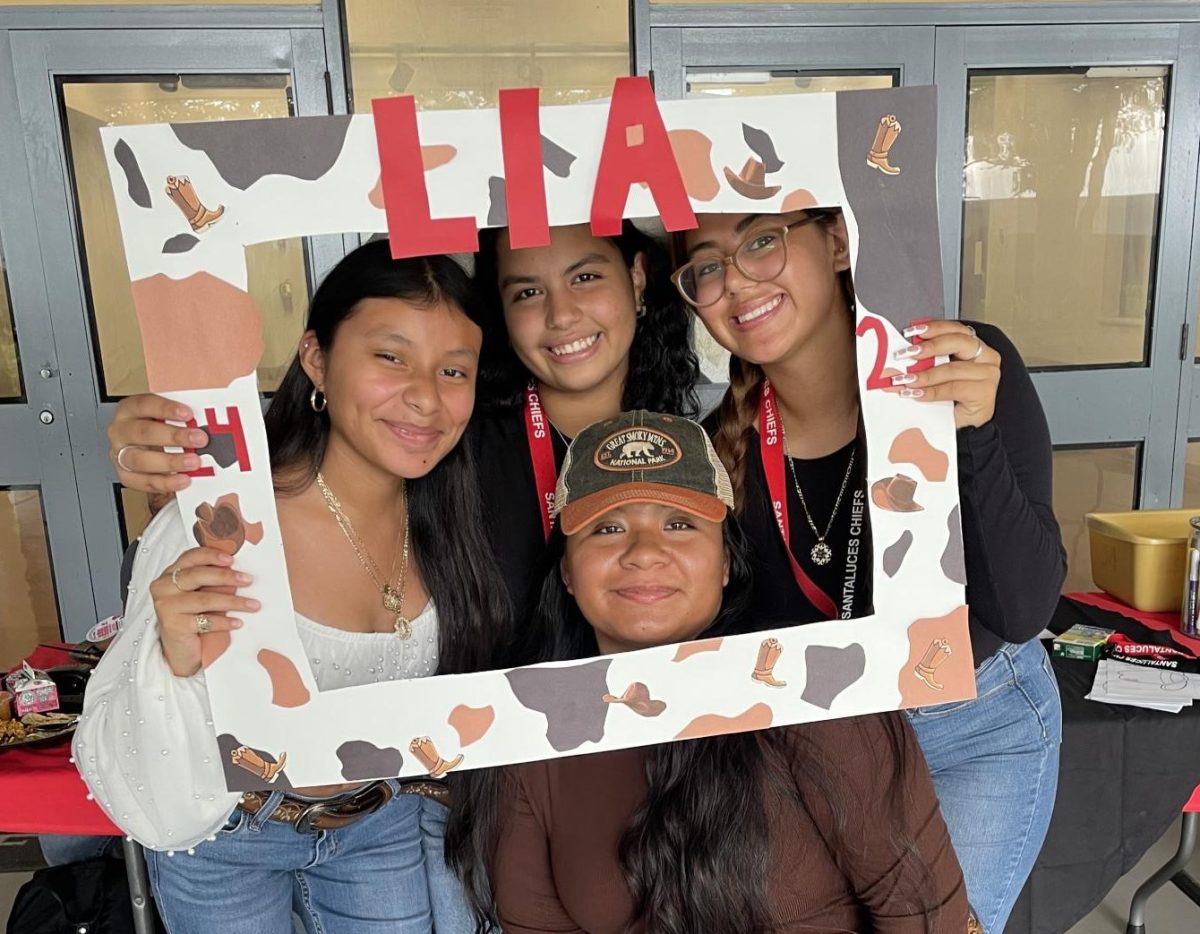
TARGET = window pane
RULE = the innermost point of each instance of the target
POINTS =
(1090, 480)
(10, 372)
(748, 82)
(28, 607)
(1191, 475)
(276, 271)
(459, 53)
(1060, 210)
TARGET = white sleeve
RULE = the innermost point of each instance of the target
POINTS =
(145, 744)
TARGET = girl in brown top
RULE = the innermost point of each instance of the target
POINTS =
(828, 827)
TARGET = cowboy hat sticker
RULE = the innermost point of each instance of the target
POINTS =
(434, 178)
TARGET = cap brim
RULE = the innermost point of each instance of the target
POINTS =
(575, 515)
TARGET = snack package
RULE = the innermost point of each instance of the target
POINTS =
(1086, 643)
(33, 691)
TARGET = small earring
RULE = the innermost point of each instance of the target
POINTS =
(641, 309)
(312, 400)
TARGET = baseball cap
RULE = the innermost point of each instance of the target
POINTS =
(641, 457)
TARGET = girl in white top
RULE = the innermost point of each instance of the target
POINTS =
(379, 394)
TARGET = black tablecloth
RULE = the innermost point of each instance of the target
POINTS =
(1124, 776)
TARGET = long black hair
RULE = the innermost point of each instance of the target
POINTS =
(663, 369)
(445, 512)
(696, 854)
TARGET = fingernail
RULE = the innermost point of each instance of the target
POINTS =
(253, 604)
(181, 482)
(235, 624)
(915, 330)
(244, 578)
(190, 462)
(225, 559)
(905, 353)
(911, 393)
(903, 379)
(197, 438)
(183, 413)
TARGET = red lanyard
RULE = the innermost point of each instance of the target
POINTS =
(770, 444)
(541, 452)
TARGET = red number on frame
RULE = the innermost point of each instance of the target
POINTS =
(876, 379)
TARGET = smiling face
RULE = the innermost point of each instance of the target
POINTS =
(570, 308)
(766, 322)
(400, 382)
(646, 574)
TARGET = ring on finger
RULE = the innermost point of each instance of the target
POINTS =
(121, 454)
(175, 580)
(978, 350)
(203, 624)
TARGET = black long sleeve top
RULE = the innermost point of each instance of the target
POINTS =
(1015, 561)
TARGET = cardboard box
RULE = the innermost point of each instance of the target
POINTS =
(1086, 643)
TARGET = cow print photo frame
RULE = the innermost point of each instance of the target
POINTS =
(192, 197)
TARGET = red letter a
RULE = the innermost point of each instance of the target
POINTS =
(524, 183)
(410, 228)
(636, 149)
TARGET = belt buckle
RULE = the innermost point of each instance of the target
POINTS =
(305, 819)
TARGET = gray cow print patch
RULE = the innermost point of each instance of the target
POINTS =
(953, 564)
(362, 760)
(896, 552)
(830, 671)
(571, 699)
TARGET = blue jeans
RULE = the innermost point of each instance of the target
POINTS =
(383, 873)
(994, 762)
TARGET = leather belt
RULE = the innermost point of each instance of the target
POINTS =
(308, 816)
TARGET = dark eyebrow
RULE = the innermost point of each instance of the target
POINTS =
(580, 263)
(740, 227)
(387, 334)
(516, 280)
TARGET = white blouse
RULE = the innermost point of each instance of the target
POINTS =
(145, 744)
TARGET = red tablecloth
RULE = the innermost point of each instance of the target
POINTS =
(1163, 622)
(40, 791)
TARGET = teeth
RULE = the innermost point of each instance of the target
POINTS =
(759, 311)
(575, 346)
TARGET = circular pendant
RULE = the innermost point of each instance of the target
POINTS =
(403, 627)
(821, 554)
(391, 600)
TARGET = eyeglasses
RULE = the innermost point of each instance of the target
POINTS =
(761, 257)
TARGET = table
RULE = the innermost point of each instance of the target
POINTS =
(45, 775)
(1125, 775)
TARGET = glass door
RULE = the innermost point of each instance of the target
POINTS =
(68, 85)
(1068, 180)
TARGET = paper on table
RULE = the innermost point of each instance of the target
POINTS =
(1139, 686)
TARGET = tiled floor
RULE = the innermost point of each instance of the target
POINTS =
(1169, 913)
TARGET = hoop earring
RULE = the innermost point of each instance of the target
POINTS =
(641, 310)
(312, 400)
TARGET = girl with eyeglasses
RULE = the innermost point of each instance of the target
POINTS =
(775, 291)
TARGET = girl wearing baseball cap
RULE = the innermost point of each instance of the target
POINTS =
(823, 827)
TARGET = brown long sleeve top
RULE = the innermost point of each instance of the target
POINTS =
(557, 870)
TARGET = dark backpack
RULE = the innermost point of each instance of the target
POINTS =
(89, 897)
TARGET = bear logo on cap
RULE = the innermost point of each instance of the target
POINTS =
(637, 449)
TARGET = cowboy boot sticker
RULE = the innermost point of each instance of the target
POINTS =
(637, 698)
(180, 190)
(926, 668)
(885, 138)
(249, 759)
(426, 752)
(764, 667)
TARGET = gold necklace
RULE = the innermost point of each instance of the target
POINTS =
(393, 598)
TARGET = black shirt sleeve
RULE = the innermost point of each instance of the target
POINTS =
(1012, 544)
